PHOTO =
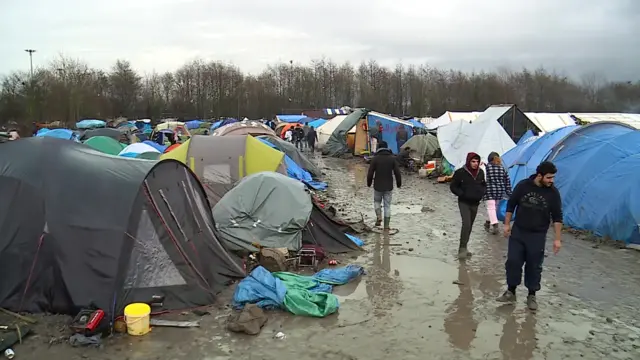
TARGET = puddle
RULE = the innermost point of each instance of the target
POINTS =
(578, 331)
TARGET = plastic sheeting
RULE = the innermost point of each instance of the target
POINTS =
(65, 134)
(193, 124)
(390, 127)
(155, 145)
(300, 295)
(598, 176)
(317, 123)
(459, 138)
(296, 172)
(290, 118)
(295, 154)
(90, 124)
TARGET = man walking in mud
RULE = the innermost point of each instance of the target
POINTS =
(469, 185)
(382, 170)
(537, 203)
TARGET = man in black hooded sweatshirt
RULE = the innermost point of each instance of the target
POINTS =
(382, 169)
(469, 185)
(537, 203)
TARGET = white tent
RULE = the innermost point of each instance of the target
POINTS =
(325, 131)
(449, 116)
(482, 136)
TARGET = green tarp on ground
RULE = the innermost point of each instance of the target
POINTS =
(300, 301)
(105, 145)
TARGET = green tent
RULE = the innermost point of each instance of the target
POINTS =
(105, 145)
(424, 147)
(150, 155)
(337, 143)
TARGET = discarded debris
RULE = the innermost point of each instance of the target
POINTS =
(21, 317)
(171, 323)
(280, 336)
(458, 282)
(77, 340)
(9, 354)
(249, 321)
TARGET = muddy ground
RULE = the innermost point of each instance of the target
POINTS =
(417, 300)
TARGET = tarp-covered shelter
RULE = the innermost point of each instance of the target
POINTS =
(247, 127)
(265, 208)
(323, 231)
(105, 145)
(550, 121)
(317, 123)
(390, 127)
(290, 118)
(483, 136)
(65, 134)
(522, 161)
(598, 175)
(424, 147)
(292, 151)
(221, 161)
(83, 228)
(326, 129)
(336, 145)
(449, 117)
(512, 120)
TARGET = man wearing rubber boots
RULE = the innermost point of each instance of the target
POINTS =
(537, 203)
(382, 169)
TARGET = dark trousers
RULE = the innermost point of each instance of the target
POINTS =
(311, 144)
(400, 143)
(468, 214)
(525, 248)
(298, 143)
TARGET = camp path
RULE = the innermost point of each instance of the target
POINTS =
(418, 301)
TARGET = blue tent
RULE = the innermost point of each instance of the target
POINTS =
(193, 124)
(526, 136)
(295, 171)
(58, 133)
(90, 124)
(317, 123)
(305, 120)
(534, 151)
(598, 177)
(512, 156)
(389, 128)
(155, 145)
(290, 118)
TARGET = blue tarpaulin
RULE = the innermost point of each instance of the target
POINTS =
(356, 240)
(59, 133)
(271, 290)
(598, 176)
(389, 128)
(290, 118)
(155, 145)
(417, 123)
(193, 124)
(296, 172)
(317, 123)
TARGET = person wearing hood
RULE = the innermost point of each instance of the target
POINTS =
(498, 188)
(469, 185)
(382, 169)
(538, 203)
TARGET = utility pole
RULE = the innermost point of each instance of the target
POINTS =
(31, 51)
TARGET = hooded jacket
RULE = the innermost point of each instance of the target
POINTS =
(382, 169)
(467, 186)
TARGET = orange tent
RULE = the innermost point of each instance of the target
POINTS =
(171, 147)
(280, 132)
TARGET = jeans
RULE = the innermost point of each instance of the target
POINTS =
(382, 199)
(468, 214)
(525, 248)
(492, 211)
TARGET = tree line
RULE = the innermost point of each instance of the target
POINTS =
(69, 90)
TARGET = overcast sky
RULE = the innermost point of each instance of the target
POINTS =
(572, 36)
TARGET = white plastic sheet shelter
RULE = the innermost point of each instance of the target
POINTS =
(325, 131)
(483, 136)
(449, 117)
(550, 121)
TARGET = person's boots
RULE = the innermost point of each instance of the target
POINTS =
(487, 225)
(387, 220)
(495, 229)
(378, 217)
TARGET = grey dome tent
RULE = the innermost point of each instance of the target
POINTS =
(81, 227)
(337, 143)
(292, 151)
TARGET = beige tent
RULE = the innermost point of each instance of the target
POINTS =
(250, 127)
(220, 161)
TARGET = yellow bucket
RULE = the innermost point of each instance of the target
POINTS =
(137, 316)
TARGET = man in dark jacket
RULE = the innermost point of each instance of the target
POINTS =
(298, 135)
(538, 203)
(401, 136)
(382, 169)
(312, 137)
(469, 185)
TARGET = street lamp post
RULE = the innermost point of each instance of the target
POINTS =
(31, 51)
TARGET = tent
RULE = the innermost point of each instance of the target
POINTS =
(296, 172)
(155, 145)
(83, 228)
(105, 145)
(193, 124)
(294, 153)
(281, 129)
(598, 176)
(449, 117)
(90, 124)
(221, 161)
(133, 150)
(424, 147)
(290, 118)
(65, 134)
(550, 121)
(527, 135)
(390, 127)
(265, 208)
(337, 143)
(249, 127)
(512, 156)
(115, 134)
(514, 121)
(416, 124)
(325, 130)
(323, 231)
(483, 136)
(533, 152)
